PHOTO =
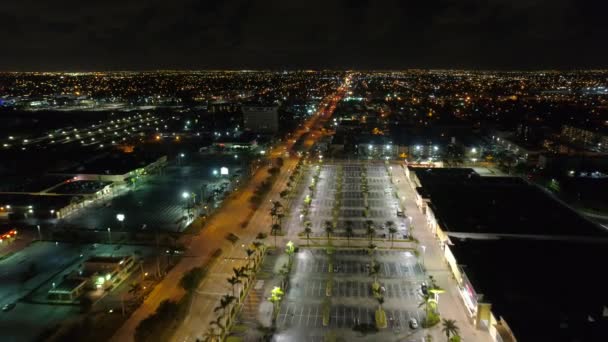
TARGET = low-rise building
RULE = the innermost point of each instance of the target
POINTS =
(69, 290)
(107, 271)
(261, 118)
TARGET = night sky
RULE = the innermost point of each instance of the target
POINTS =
(365, 34)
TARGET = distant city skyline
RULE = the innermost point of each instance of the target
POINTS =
(355, 34)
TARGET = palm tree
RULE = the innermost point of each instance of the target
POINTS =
(371, 248)
(391, 233)
(257, 245)
(249, 252)
(374, 272)
(218, 323)
(273, 214)
(307, 232)
(450, 328)
(329, 229)
(135, 288)
(389, 224)
(240, 273)
(426, 303)
(210, 334)
(370, 232)
(277, 206)
(349, 231)
(225, 302)
(233, 281)
(274, 230)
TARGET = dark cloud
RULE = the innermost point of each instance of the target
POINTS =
(191, 34)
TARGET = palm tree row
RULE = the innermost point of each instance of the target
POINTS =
(241, 275)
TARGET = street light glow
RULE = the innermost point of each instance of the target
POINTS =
(185, 194)
(120, 217)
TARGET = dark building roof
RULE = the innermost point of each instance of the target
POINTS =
(113, 164)
(465, 202)
(545, 290)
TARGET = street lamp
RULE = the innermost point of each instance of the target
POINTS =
(423, 253)
(121, 218)
(110, 235)
(39, 233)
(185, 195)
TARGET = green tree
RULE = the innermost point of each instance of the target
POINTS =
(329, 230)
(233, 281)
(371, 231)
(218, 323)
(275, 229)
(290, 249)
(374, 271)
(250, 252)
(349, 231)
(391, 233)
(210, 335)
(307, 231)
(225, 303)
(276, 295)
(192, 278)
(450, 328)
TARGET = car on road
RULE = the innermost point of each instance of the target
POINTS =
(413, 323)
(8, 307)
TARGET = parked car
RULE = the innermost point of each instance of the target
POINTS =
(413, 323)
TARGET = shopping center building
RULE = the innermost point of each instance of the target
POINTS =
(521, 258)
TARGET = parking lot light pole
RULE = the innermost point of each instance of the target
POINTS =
(39, 233)
(423, 253)
(110, 235)
(121, 219)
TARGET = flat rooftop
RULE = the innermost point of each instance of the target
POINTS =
(68, 285)
(113, 164)
(106, 259)
(545, 290)
(464, 202)
(80, 187)
(30, 184)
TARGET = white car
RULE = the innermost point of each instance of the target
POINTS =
(413, 323)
